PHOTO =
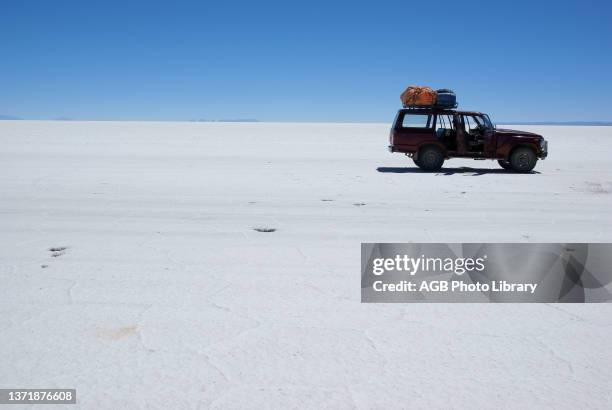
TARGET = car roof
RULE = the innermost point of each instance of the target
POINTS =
(433, 110)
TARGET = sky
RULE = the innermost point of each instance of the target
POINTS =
(341, 61)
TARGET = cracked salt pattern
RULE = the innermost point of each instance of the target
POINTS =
(165, 296)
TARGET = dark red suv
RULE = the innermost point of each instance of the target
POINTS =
(431, 135)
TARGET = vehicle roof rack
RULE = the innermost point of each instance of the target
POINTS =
(429, 107)
(424, 109)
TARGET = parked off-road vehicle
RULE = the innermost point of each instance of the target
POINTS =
(431, 135)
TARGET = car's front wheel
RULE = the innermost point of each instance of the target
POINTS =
(523, 159)
(505, 164)
(430, 158)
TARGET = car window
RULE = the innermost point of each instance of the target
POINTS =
(444, 121)
(416, 121)
(484, 121)
(470, 122)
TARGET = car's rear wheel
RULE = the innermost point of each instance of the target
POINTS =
(430, 158)
(505, 164)
(523, 159)
(415, 159)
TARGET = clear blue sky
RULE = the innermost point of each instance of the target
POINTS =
(302, 61)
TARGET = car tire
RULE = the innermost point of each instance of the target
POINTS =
(415, 159)
(430, 158)
(523, 159)
(505, 164)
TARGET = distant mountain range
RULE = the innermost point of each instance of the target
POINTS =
(12, 117)
(567, 123)
(555, 122)
(229, 120)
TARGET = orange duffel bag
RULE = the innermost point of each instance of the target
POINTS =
(415, 95)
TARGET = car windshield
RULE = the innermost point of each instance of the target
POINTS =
(485, 120)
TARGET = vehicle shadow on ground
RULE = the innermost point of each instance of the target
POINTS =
(474, 172)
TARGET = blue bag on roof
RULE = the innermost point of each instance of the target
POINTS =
(446, 98)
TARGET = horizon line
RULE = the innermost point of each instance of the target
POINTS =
(253, 120)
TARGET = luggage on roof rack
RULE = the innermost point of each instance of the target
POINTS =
(418, 96)
(446, 98)
(425, 97)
